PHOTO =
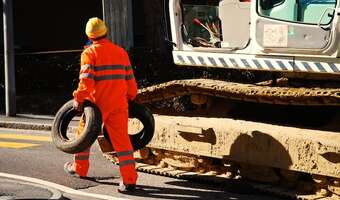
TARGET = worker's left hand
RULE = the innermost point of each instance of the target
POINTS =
(77, 106)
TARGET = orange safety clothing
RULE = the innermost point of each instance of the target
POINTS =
(81, 160)
(116, 125)
(107, 79)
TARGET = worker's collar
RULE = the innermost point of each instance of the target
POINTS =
(100, 41)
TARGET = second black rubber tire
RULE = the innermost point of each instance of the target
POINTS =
(144, 115)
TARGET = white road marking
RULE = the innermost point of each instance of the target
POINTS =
(59, 187)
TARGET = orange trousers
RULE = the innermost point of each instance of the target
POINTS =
(116, 124)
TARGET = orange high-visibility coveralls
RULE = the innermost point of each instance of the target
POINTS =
(106, 79)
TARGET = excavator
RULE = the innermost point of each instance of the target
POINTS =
(279, 131)
(282, 129)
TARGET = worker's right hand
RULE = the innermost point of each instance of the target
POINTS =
(131, 98)
(77, 106)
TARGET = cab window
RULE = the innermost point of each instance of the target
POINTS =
(301, 11)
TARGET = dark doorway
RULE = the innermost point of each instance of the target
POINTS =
(45, 79)
(41, 25)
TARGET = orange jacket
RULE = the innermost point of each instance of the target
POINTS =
(106, 77)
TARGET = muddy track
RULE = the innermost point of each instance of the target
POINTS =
(244, 92)
(218, 180)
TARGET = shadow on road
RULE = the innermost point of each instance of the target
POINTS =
(184, 190)
(100, 180)
(188, 190)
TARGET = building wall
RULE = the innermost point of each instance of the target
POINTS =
(148, 23)
(118, 16)
(135, 23)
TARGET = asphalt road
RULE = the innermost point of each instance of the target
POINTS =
(31, 154)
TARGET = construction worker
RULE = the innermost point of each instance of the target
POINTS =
(106, 79)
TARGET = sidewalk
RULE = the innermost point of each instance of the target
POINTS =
(16, 189)
(27, 121)
(30, 122)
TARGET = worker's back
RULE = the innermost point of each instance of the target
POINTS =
(111, 67)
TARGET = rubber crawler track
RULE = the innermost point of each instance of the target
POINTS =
(244, 92)
(217, 180)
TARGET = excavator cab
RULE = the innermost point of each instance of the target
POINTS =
(302, 28)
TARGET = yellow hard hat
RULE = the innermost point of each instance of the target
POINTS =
(95, 28)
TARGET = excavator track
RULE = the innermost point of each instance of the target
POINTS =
(244, 92)
(307, 152)
(217, 180)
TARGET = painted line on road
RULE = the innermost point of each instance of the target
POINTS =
(16, 145)
(59, 187)
(25, 137)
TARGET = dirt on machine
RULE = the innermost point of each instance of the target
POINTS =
(282, 131)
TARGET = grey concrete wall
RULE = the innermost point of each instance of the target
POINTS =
(118, 16)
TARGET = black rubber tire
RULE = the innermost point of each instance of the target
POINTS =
(144, 115)
(93, 126)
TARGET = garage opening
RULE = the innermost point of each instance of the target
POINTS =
(48, 38)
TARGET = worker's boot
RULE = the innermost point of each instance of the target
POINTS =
(69, 169)
(126, 188)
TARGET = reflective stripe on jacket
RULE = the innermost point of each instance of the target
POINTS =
(106, 77)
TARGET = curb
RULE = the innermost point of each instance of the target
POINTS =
(61, 188)
(55, 194)
(25, 125)
(30, 126)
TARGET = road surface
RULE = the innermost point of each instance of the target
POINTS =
(31, 154)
